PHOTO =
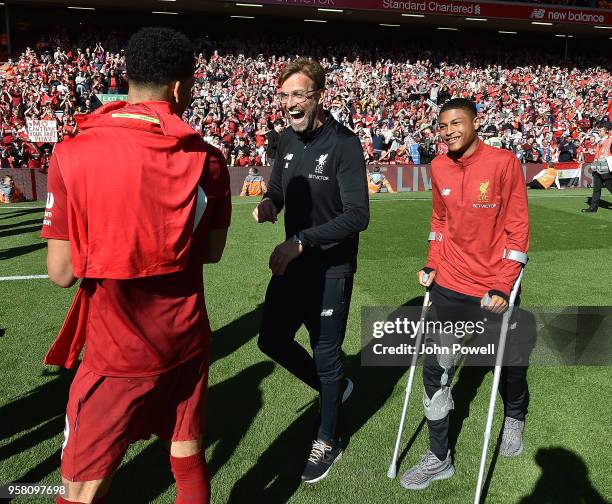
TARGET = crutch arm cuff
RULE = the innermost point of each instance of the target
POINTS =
(516, 255)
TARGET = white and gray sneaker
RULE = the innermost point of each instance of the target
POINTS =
(512, 438)
(429, 469)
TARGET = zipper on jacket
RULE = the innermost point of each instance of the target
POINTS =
(462, 183)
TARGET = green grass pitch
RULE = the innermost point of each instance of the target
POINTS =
(261, 420)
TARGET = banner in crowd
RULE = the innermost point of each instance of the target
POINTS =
(551, 14)
(569, 171)
(415, 154)
(42, 131)
(107, 98)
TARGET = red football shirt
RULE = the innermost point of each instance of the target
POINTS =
(146, 326)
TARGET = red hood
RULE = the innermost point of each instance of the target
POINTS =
(120, 114)
(131, 175)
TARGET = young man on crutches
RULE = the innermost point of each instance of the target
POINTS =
(478, 245)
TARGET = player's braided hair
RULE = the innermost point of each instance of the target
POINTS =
(159, 56)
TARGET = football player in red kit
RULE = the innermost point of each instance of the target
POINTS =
(137, 203)
(477, 245)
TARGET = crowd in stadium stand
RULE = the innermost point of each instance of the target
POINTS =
(540, 109)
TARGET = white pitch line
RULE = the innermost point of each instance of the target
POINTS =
(26, 277)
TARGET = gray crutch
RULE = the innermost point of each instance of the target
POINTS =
(392, 471)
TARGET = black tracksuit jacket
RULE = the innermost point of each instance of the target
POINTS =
(320, 179)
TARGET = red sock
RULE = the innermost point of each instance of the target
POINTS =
(192, 480)
(61, 500)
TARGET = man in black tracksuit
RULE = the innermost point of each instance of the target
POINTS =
(320, 178)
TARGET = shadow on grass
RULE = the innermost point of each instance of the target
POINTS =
(229, 338)
(602, 203)
(25, 230)
(277, 473)
(30, 222)
(564, 479)
(19, 251)
(20, 213)
(41, 412)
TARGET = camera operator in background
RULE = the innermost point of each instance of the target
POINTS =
(601, 166)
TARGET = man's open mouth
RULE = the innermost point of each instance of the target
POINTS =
(297, 115)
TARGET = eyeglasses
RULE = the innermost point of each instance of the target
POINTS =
(298, 96)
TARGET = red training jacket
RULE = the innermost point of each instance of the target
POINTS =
(479, 210)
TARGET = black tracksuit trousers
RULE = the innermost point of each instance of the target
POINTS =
(305, 296)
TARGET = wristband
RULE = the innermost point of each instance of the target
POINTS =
(501, 294)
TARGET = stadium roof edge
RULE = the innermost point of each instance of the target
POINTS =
(364, 12)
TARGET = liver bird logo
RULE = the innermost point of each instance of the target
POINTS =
(321, 163)
(484, 191)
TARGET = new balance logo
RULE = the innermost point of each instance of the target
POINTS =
(538, 14)
(327, 313)
(289, 156)
(445, 192)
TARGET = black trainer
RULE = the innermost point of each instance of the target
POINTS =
(322, 457)
(589, 209)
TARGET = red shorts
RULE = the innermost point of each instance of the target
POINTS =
(106, 414)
